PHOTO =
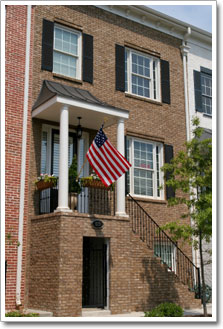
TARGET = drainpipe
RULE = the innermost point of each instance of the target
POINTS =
(23, 160)
(185, 50)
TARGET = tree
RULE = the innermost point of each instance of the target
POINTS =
(190, 175)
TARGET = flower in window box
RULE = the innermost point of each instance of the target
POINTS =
(45, 181)
(94, 181)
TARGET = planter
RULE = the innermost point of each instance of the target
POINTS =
(73, 201)
(41, 185)
(94, 183)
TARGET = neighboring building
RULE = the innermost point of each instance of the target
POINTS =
(117, 65)
(199, 68)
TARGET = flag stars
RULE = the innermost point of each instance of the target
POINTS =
(100, 138)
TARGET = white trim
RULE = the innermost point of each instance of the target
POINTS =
(131, 140)
(23, 160)
(119, 113)
(152, 60)
(79, 50)
(156, 20)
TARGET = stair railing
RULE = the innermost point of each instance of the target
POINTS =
(163, 246)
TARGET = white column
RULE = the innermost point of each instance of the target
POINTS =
(63, 163)
(120, 185)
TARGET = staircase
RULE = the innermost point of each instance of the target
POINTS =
(163, 247)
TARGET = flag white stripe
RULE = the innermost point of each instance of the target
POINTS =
(111, 160)
(106, 145)
(98, 169)
(102, 163)
(122, 157)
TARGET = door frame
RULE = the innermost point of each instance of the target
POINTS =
(106, 242)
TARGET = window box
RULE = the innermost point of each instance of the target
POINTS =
(41, 185)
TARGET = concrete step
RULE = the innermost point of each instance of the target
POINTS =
(40, 312)
(95, 312)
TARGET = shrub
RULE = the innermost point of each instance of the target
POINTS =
(74, 186)
(165, 310)
(18, 314)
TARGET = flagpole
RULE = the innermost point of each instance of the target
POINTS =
(81, 168)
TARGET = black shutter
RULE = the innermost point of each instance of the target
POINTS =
(165, 81)
(120, 67)
(197, 91)
(87, 58)
(47, 45)
(168, 149)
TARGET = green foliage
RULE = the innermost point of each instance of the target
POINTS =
(19, 314)
(47, 178)
(74, 186)
(190, 172)
(165, 310)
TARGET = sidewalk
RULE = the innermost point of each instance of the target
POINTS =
(107, 313)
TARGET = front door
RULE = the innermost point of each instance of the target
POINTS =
(94, 284)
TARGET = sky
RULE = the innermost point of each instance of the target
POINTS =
(197, 15)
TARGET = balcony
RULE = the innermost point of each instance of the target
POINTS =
(91, 200)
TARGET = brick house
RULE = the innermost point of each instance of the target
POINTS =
(72, 66)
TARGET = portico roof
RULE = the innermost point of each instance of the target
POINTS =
(93, 111)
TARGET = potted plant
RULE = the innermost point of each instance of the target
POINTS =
(45, 181)
(74, 185)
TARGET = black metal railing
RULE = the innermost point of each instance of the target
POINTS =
(163, 246)
(91, 200)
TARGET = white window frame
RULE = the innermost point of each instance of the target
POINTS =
(152, 59)
(161, 163)
(204, 75)
(79, 50)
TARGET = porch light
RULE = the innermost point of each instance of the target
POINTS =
(79, 129)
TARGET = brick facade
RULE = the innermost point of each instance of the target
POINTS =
(52, 247)
(14, 100)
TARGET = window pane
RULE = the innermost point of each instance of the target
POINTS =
(143, 182)
(44, 152)
(64, 64)
(140, 86)
(66, 43)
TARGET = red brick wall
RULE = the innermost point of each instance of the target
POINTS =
(15, 47)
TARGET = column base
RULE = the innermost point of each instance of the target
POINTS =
(121, 214)
(63, 209)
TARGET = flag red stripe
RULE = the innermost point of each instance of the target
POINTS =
(105, 155)
(103, 178)
(105, 174)
(118, 162)
(99, 175)
(111, 154)
(104, 162)
(121, 157)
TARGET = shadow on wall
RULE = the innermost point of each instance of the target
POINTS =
(159, 284)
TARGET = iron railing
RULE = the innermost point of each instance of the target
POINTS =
(163, 246)
(91, 200)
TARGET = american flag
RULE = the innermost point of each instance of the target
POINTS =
(107, 162)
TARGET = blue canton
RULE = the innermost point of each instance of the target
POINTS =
(100, 138)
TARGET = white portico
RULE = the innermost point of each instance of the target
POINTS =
(63, 104)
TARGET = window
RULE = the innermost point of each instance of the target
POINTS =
(142, 76)
(167, 252)
(203, 90)
(144, 177)
(66, 52)
(206, 89)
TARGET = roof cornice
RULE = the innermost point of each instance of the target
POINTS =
(161, 22)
